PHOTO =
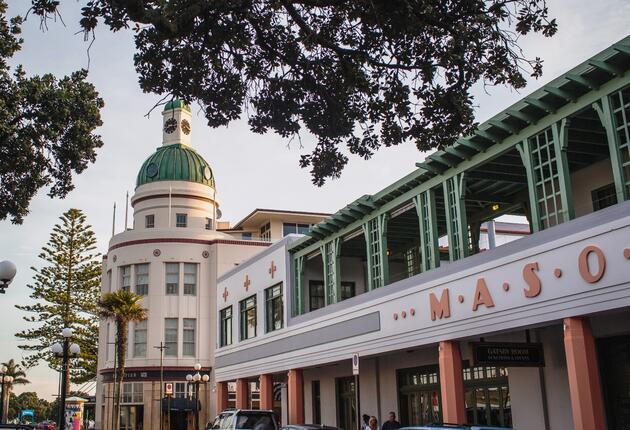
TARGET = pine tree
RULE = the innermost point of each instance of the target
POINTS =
(66, 294)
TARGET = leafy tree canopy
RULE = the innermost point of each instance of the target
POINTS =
(65, 293)
(30, 400)
(46, 127)
(358, 74)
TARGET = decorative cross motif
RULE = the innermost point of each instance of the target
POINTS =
(272, 269)
(246, 283)
(225, 294)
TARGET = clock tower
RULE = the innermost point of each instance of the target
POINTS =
(176, 119)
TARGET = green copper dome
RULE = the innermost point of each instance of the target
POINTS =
(175, 163)
(176, 104)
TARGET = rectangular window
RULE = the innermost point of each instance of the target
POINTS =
(226, 326)
(291, 228)
(132, 392)
(248, 318)
(189, 337)
(125, 278)
(179, 390)
(170, 337)
(347, 290)
(109, 281)
(142, 279)
(172, 279)
(273, 308)
(246, 235)
(208, 223)
(265, 232)
(149, 221)
(621, 115)
(190, 279)
(181, 220)
(315, 295)
(604, 197)
(140, 339)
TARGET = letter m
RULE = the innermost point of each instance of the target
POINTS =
(440, 308)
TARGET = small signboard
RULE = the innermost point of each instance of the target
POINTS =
(508, 354)
(168, 389)
(355, 364)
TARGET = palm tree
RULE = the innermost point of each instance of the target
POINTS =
(17, 373)
(123, 307)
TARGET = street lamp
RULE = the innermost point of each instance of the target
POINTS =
(4, 379)
(7, 273)
(64, 351)
(196, 380)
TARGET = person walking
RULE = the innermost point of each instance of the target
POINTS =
(391, 423)
(373, 423)
(366, 422)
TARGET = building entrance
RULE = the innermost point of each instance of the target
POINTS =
(346, 406)
(419, 395)
(614, 364)
(131, 417)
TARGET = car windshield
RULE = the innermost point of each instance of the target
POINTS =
(254, 421)
(223, 421)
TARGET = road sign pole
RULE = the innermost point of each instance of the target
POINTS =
(357, 389)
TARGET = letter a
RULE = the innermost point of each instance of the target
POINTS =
(482, 295)
(440, 308)
(532, 280)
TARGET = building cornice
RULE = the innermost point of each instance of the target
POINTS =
(185, 240)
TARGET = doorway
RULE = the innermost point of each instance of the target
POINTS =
(346, 406)
(614, 364)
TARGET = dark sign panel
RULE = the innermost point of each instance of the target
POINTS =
(508, 354)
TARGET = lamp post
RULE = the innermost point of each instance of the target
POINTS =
(7, 273)
(64, 351)
(4, 379)
(196, 380)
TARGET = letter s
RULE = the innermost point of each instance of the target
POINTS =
(532, 280)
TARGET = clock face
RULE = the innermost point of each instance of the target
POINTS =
(170, 125)
(185, 126)
(152, 170)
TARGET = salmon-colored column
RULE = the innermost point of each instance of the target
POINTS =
(452, 383)
(222, 396)
(242, 394)
(296, 396)
(584, 383)
(266, 392)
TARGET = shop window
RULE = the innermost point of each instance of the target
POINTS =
(190, 279)
(170, 337)
(140, 339)
(604, 197)
(419, 395)
(316, 298)
(348, 289)
(149, 221)
(487, 396)
(125, 278)
(274, 308)
(132, 392)
(248, 318)
(172, 279)
(142, 279)
(226, 326)
(189, 337)
(181, 220)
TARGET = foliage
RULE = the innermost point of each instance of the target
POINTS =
(361, 74)
(19, 378)
(66, 293)
(123, 307)
(46, 127)
(29, 400)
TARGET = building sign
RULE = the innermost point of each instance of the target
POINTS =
(355, 364)
(168, 389)
(148, 374)
(507, 354)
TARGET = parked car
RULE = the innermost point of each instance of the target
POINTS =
(244, 419)
(443, 426)
(46, 425)
(308, 427)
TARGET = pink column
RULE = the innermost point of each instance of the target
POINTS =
(266, 392)
(296, 396)
(584, 384)
(242, 394)
(222, 396)
(452, 383)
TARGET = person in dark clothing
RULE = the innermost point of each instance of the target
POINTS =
(391, 423)
(366, 420)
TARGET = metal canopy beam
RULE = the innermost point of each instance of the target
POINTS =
(529, 119)
(439, 158)
(503, 126)
(487, 135)
(457, 153)
(582, 81)
(539, 104)
(430, 168)
(625, 49)
(613, 70)
(563, 94)
(470, 144)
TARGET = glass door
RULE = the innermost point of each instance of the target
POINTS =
(346, 406)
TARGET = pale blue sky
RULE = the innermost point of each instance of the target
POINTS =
(251, 170)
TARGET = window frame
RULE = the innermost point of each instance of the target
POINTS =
(244, 310)
(314, 283)
(125, 276)
(271, 302)
(225, 326)
(187, 330)
(168, 352)
(136, 343)
(148, 224)
(194, 289)
(180, 224)
(175, 291)
(136, 275)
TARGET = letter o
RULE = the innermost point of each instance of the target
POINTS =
(585, 271)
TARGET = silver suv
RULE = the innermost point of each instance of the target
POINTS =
(244, 419)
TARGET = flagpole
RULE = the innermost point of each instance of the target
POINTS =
(126, 209)
(114, 220)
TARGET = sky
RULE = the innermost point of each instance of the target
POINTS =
(251, 171)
